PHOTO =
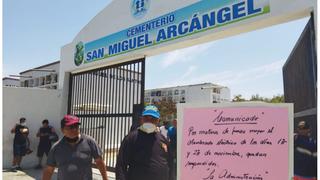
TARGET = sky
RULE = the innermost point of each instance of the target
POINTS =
(249, 64)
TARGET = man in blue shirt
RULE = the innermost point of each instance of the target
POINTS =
(305, 153)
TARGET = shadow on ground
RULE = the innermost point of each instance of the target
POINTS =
(36, 174)
(26, 174)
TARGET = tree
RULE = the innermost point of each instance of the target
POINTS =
(277, 99)
(167, 109)
(257, 98)
(238, 98)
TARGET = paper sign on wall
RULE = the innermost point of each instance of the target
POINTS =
(235, 143)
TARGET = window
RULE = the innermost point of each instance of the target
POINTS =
(54, 78)
(176, 92)
(170, 93)
(48, 79)
(41, 81)
(169, 98)
(164, 93)
(36, 82)
(153, 93)
(30, 82)
(26, 83)
(216, 90)
(183, 91)
(214, 98)
(158, 93)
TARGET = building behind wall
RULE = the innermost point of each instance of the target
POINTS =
(45, 76)
(12, 82)
(197, 93)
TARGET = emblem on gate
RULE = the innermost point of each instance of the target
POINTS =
(139, 8)
(79, 54)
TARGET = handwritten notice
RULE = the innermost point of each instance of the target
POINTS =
(235, 143)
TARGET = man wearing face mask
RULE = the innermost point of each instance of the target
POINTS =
(144, 153)
(73, 154)
(20, 143)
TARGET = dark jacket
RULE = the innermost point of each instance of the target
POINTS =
(144, 156)
(305, 159)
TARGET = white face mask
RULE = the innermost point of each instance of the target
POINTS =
(148, 128)
(23, 124)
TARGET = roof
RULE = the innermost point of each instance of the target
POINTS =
(9, 78)
(56, 62)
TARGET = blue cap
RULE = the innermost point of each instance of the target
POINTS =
(151, 110)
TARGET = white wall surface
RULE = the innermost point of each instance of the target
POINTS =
(35, 105)
(225, 93)
(197, 94)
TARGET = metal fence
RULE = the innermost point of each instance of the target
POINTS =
(104, 101)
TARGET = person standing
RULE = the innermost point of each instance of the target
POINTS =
(172, 135)
(144, 153)
(73, 154)
(21, 143)
(45, 143)
(164, 129)
(305, 153)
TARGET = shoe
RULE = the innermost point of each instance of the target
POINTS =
(29, 151)
(18, 168)
(38, 166)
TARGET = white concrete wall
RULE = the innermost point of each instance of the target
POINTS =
(35, 105)
(197, 94)
(225, 93)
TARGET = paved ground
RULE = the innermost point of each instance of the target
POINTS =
(35, 174)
